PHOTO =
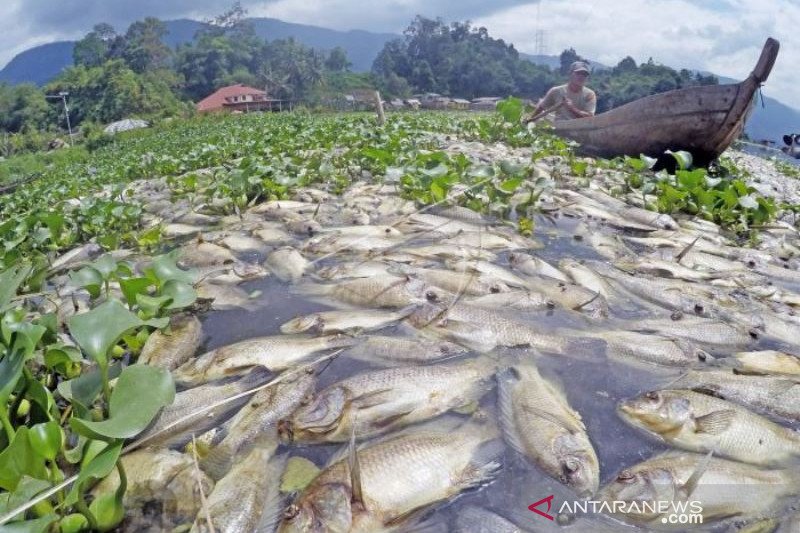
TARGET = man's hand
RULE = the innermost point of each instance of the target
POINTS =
(577, 113)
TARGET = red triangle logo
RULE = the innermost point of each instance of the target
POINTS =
(548, 501)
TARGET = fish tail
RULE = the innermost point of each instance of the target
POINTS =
(217, 462)
(312, 289)
(484, 465)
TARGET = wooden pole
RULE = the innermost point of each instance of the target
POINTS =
(379, 109)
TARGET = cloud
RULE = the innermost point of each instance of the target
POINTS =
(720, 36)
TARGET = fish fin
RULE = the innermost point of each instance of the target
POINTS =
(715, 422)
(355, 471)
(683, 252)
(408, 516)
(257, 376)
(688, 488)
(273, 508)
(217, 462)
(389, 420)
(370, 399)
(505, 404)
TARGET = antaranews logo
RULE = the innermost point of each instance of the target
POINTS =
(671, 512)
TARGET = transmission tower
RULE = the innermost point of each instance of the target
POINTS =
(540, 36)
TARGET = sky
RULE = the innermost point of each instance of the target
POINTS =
(719, 36)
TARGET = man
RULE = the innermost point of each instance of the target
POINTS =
(572, 100)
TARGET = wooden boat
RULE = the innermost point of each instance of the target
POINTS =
(701, 120)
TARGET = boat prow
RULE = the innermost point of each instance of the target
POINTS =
(701, 120)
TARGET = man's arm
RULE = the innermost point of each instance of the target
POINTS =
(547, 102)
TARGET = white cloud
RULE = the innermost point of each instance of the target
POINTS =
(721, 37)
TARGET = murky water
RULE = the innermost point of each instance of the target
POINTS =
(593, 388)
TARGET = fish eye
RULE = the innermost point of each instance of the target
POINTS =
(290, 512)
(698, 308)
(626, 476)
(431, 296)
(307, 399)
(572, 465)
(753, 334)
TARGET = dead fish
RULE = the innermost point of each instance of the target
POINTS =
(469, 283)
(303, 226)
(530, 265)
(539, 423)
(173, 348)
(180, 230)
(224, 297)
(242, 243)
(484, 329)
(162, 476)
(350, 321)
(634, 347)
(199, 254)
(87, 252)
(376, 402)
(287, 263)
(390, 479)
(770, 395)
(257, 422)
(518, 300)
(393, 351)
(335, 243)
(697, 329)
(702, 423)
(177, 422)
(378, 292)
(247, 499)
(275, 353)
(361, 269)
(768, 362)
(717, 483)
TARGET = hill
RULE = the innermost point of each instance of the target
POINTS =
(41, 64)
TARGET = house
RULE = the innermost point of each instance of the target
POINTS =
(413, 103)
(459, 104)
(238, 97)
(485, 103)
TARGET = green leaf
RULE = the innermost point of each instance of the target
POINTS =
(181, 294)
(37, 525)
(46, 439)
(682, 157)
(89, 278)
(27, 488)
(510, 109)
(98, 330)
(10, 281)
(511, 185)
(20, 459)
(140, 393)
(437, 192)
(42, 398)
(106, 265)
(85, 388)
(10, 372)
(132, 286)
(97, 468)
(151, 305)
(165, 268)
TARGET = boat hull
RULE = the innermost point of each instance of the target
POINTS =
(701, 120)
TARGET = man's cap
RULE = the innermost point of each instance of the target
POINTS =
(579, 66)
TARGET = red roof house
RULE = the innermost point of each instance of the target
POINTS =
(236, 97)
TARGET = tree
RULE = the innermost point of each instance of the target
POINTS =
(143, 48)
(93, 49)
(337, 60)
(567, 58)
(627, 65)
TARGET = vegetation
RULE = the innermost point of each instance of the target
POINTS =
(60, 416)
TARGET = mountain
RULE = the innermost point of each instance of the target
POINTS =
(771, 120)
(42, 63)
(39, 64)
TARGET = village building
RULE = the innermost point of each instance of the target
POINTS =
(239, 98)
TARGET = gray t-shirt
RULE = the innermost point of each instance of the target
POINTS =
(585, 100)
